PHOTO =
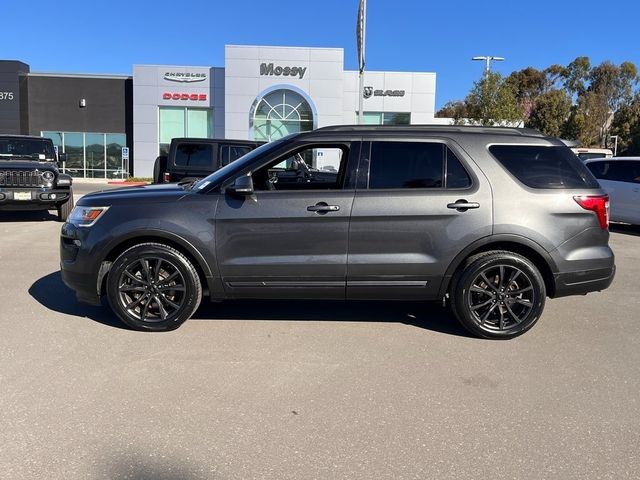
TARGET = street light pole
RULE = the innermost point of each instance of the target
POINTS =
(487, 59)
(615, 144)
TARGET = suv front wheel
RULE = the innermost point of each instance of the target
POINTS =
(498, 294)
(154, 287)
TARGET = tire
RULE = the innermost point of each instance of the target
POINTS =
(159, 167)
(498, 294)
(64, 209)
(138, 296)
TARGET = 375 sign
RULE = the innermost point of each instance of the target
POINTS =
(6, 96)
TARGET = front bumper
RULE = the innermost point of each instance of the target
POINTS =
(77, 266)
(16, 198)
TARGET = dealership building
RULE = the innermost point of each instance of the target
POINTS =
(262, 93)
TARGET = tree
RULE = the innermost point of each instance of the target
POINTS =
(550, 112)
(456, 109)
(585, 122)
(492, 101)
(527, 84)
(575, 75)
(626, 125)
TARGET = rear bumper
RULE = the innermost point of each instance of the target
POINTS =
(583, 282)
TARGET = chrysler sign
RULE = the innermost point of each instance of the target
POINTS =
(185, 77)
(270, 69)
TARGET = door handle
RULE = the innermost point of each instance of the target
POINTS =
(463, 205)
(322, 207)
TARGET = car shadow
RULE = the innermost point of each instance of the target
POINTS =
(427, 315)
(28, 216)
(624, 228)
(53, 294)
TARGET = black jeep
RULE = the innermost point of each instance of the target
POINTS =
(29, 176)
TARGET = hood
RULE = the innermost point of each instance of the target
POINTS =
(161, 193)
(20, 164)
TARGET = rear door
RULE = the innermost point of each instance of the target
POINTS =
(417, 206)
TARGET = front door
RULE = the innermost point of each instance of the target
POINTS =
(289, 239)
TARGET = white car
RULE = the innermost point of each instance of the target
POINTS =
(620, 177)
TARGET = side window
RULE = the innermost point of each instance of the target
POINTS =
(415, 165)
(311, 168)
(628, 171)
(229, 153)
(406, 165)
(599, 169)
(194, 155)
(457, 176)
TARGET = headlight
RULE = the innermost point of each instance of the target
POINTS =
(86, 216)
(48, 176)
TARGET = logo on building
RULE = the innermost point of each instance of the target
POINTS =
(200, 97)
(185, 77)
(270, 69)
(369, 92)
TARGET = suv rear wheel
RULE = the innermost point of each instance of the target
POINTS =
(498, 294)
(153, 287)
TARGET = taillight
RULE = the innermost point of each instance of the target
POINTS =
(167, 177)
(598, 204)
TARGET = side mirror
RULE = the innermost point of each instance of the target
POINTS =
(62, 157)
(242, 186)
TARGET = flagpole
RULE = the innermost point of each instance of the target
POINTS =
(362, 24)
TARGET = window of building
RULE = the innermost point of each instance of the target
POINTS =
(177, 122)
(386, 118)
(91, 155)
(281, 113)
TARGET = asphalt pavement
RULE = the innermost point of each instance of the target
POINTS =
(297, 390)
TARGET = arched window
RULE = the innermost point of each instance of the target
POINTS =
(279, 113)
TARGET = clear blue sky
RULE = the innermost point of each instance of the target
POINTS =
(402, 35)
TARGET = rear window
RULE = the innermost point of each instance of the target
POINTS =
(544, 167)
(194, 155)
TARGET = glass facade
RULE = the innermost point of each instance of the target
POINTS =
(280, 113)
(387, 118)
(177, 122)
(91, 155)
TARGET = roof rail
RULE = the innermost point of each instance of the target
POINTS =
(433, 128)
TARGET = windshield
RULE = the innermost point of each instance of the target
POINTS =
(32, 148)
(240, 164)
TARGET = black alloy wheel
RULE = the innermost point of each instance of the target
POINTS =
(153, 287)
(498, 295)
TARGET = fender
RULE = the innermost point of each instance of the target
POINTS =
(494, 239)
(150, 234)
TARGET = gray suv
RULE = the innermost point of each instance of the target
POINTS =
(490, 220)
